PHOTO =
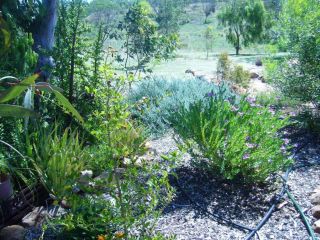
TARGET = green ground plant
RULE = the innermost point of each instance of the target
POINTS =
(237, 141)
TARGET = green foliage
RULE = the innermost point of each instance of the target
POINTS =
(298, 75)
(58, 159)
(235, 140)
(17, 56)
(240, 76)
(154, 100)
(71, 52)
(168, 14)
(29, 85)
(245, 21)
(127, 207)
(3, 165)
(224, 66)
(142, 41)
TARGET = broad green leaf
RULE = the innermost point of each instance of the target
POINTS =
(15, 91)
(67, 105)
(7, 110)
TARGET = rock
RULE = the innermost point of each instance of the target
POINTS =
(316, 212)
(39, 214)
(85, 177)
(316, 226)
(261, 78)
(87, 173)
(317, 190)
(191, 72)
(254, 75)
(64, 204)
(315, 198)
(258, 62)
(14, 232)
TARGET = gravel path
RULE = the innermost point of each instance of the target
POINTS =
(243, 204)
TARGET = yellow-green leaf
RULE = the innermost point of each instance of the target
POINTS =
(64, 102)
(16, 90)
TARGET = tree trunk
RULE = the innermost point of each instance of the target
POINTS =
(238, 45)
(43, 35)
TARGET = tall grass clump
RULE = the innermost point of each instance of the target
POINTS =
(155, 99)
(235, 140)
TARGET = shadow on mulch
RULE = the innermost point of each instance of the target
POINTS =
(229, 199)
(307, 147)
(232, 200)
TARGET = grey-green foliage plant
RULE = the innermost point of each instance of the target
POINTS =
(245, 22)
(154, 100)
(236, 140)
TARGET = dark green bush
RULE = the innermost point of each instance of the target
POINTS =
(154, 100)
(235, 140)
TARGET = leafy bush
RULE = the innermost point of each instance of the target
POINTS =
(298, 76)
(226, 70)
(224, 66)
(235, 140)
(154, 100)
(240, 76)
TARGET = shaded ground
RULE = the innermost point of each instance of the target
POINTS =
(242, 204)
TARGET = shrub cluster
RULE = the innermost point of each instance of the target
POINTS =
(236, 140)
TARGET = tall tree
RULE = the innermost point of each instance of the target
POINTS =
(168, 14)
(142, 40)
(245, 22)
(208, 6)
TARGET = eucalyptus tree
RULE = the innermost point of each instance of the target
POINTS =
(245, 22)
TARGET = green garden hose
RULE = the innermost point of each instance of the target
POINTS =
(302, 215)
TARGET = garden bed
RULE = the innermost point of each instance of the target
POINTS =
(243, 204)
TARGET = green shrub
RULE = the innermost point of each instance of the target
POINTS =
(154, 100)
(224, 66)
(298, 76)
(235, 140)
(240, 76)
